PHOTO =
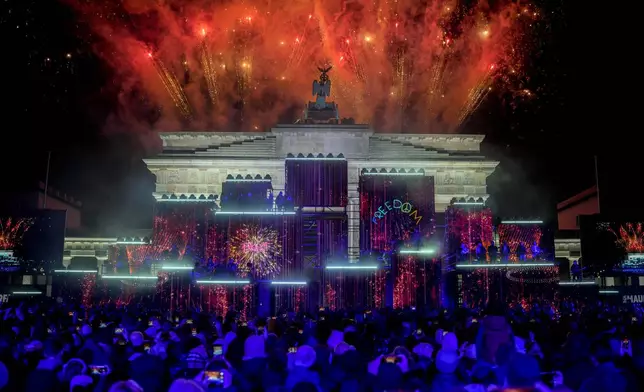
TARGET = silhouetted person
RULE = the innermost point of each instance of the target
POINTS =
(224, 202)
(505, 251)
(279, 201)
(492, 250)
(289, 205)
(536, 250)
(269, 201)
(521, 251)
(480, 251)
(575, 271)
(465, 252)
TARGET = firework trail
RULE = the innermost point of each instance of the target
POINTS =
(435, 89)
(443, 69)
(299, 48)
(209, 69)
(352, 61)
(401, 80)
(172, 86)
(476, 95)
(12, 231)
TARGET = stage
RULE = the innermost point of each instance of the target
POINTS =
(323, 215)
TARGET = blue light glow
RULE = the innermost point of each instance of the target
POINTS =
(505, 265)
(392, 174)
(417, 252)
(177, 268)
(577, 282)
(254, 212)
(522, 222)
(223, 282)
(352, 267)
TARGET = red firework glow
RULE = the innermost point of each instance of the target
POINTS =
(473, 228)
(378, 289)
(87, 288)
(168, 234)
(630, 237)
(299, 299)
(515, 235)
(406, 283)
(12, 231)
(330, 296)
(216, 299)
(244, 65)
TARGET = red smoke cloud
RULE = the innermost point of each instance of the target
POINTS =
(246, 65)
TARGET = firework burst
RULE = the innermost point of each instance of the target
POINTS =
(426, 65)
(630, 237)
(12, 231)
(255, 249)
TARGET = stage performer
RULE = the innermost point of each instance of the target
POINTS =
(575, 270)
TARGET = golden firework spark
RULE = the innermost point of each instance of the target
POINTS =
(209, 68)
(172, 86)
(255, 249)
(476, 95)
(447, 46)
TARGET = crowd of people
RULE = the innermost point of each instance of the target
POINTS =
(53, 346)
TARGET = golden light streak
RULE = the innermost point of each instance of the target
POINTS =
(476, 95)
(172, 86)
(209, 69)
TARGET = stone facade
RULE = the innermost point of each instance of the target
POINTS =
(97, 247)
(568, 248)
(87, 247)
(197, 163)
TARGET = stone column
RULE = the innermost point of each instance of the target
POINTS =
(353, 215)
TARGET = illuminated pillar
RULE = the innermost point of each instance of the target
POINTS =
(353, 219)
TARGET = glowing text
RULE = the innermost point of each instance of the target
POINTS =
(396, 204)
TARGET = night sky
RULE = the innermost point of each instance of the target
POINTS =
(58, 96)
